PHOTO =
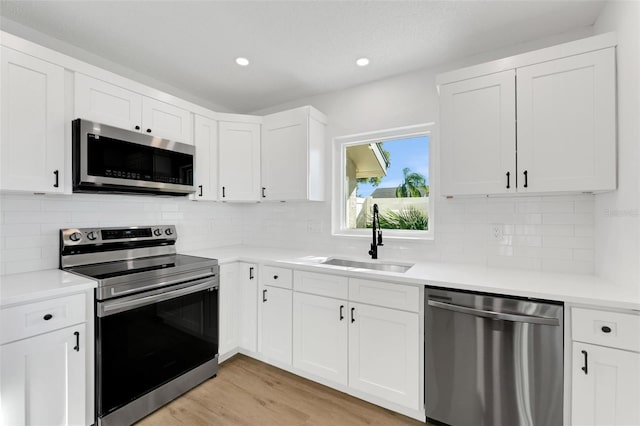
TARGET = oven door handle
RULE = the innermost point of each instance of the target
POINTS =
(111, 307)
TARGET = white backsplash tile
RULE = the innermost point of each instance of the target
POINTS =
(554, 233)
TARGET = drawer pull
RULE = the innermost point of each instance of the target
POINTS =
(47, 317)
(585, 367)
(606, 329)
(264, 295)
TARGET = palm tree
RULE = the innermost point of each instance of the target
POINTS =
(414, 185)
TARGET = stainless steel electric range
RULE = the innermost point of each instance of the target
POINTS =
(156, 316)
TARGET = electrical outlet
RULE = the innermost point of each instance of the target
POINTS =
(497, 232)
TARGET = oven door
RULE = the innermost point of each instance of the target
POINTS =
(147, 340)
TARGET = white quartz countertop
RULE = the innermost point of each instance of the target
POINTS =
(28, 287)
(569, 288)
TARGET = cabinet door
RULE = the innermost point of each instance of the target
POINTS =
(229, 307)
(105, 103)
(285, 152)
(276, 324)
(206, 142)
(320, 336)
(249, 307)
(32, 143)
(166, 121)
(384, 350)
(42, 379)
(239, 161)
(608, 392)
(478, 135)
(567, 124)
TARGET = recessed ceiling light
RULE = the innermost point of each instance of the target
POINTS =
(362, 62)
(243, 62)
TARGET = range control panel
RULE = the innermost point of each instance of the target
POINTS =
(93, 236)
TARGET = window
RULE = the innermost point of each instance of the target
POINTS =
(389, 168)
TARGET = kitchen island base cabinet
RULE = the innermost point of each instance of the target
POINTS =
(605, 386)
(42, 379)
(276, 324)
(384, 351)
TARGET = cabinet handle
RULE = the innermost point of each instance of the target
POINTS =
(148, 130)
(251, 273)
(56, 173)
(275, 277)
(223, 194)
(606, 329)
(77, 347)
(508, 178)
(352, 317)
(341, 313)
(263, 195)
(585, 368)
(200, 194)
(264, 295)
(137, 127)
(47, 317)
(526, 178)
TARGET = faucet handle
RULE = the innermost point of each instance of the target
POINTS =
(380, 238)
(372, 250)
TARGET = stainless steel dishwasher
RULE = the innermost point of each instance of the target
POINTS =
(492, 361)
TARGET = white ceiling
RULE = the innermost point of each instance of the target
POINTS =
(297, 48)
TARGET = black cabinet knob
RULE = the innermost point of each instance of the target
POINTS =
(275, 277)
(606, 329)
(137, 127)
(47, 317)
(148, 130)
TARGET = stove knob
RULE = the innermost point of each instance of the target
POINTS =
(76, 236)
(157, 232)
(168, 231)
(92, 235)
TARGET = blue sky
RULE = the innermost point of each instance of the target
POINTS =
(412, 153)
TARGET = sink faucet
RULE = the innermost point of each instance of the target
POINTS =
(376, 242)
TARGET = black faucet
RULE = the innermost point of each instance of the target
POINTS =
(376, 242)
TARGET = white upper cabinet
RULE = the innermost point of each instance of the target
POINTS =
(239, 161)
(105, 103)
(567, 124)
(206, 174)
(109, 104)
(552, 113)
(292, 154)
(478, 131)
(32, 144)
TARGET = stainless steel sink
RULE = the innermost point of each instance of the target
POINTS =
(388, 267)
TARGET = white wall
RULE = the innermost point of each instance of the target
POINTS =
(540, 233)
(30, 224)
(617, 214)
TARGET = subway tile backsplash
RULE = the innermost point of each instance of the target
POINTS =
(30, 224)
(551, 233)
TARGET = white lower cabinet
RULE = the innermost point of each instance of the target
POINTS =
(229, 302)
(320, 336)
(605, 375)
(42, 379)
(276, 324)
(384, 352)
(248, 306)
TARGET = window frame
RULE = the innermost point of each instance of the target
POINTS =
(339, 214)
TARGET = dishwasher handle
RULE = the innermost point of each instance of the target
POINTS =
(531, 319)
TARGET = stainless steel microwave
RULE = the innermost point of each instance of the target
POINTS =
(109, 159)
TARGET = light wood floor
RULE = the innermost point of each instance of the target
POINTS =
(249, 392)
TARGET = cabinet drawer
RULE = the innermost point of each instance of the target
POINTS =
(396, 296)
(321, 284)
(28, 320)
(605, 328)
(277, 277)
